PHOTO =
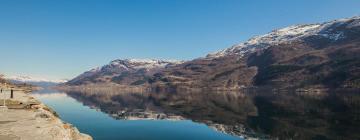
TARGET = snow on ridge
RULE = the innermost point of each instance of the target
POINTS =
(148, 61)
(129, 64)
(23, 78)
(95, 69)
(286, 34)
(142, 63)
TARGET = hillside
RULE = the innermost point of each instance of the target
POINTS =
(310, 55)
(124, 72)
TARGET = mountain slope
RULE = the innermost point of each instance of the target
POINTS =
(320, 55)
(330, 32)
(325, 55)
(127, 72)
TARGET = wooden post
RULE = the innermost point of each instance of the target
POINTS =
(12, 93)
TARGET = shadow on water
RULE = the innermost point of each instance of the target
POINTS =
(251, 113)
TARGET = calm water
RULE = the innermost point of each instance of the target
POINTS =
(210, 115)
(103, 127)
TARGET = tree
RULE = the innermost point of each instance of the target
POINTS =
(2, 79)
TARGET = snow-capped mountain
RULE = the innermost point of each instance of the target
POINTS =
(328, 30)
(25, 79)
(119, 66)
(301, 55)
(42, 82)
(322, 54)
(141, 63)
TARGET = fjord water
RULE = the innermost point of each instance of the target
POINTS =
(103, 127)
(210, 115)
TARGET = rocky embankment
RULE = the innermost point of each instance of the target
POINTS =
(25, 118)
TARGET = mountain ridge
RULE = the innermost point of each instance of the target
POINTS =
(295, 56)
(286, 34)
(118, 66)
(24, 79)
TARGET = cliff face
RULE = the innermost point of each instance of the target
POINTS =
(312, 55)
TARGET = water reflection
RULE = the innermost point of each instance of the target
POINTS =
(265, 114)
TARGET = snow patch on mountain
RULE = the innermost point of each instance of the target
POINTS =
(142, 63)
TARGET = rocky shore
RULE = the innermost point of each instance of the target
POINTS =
(25, 118)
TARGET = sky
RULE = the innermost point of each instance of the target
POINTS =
(59, 39)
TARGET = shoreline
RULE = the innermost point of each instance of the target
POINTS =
(26, 118)
(111, 88)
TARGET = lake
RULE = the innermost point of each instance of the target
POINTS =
(209, 115)
(101, 126)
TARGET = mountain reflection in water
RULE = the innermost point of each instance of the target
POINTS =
(265, 114)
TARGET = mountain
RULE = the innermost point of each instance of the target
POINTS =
(329, 31)
(42, 82)
(310, 55)
(127, 71)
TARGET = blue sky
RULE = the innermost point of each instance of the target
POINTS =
(63, 38)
